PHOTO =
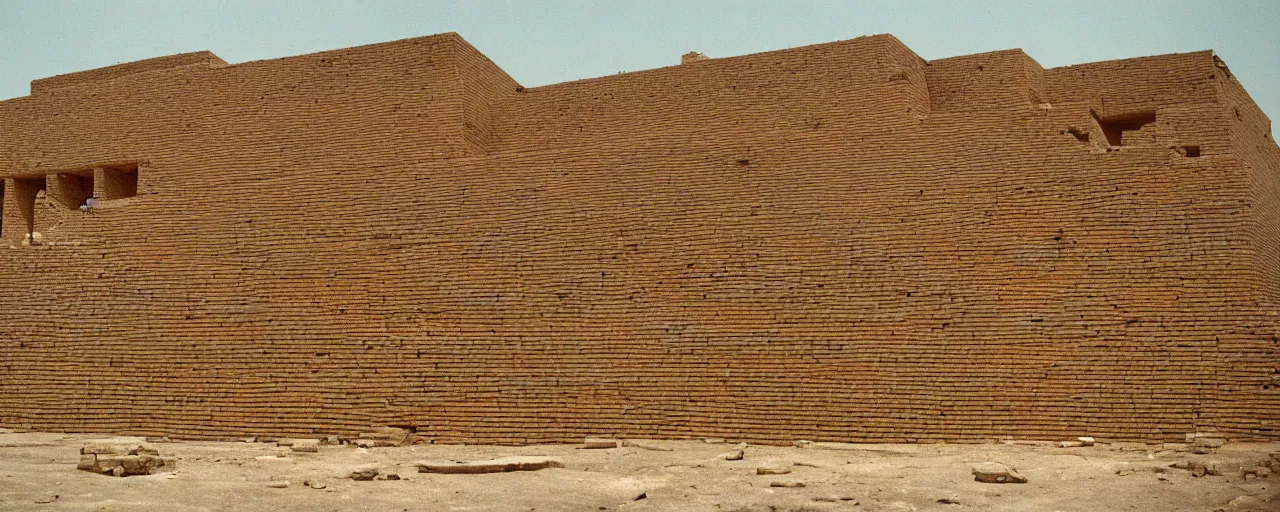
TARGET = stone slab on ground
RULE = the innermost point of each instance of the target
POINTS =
(598, 443)
(502, 465)
(996, 473)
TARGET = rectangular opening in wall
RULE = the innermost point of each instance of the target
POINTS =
(72, 190)
(1114, 128)
(1190, 151)
(119, 182)
(24, 192)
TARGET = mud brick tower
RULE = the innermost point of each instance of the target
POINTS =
(836, 242)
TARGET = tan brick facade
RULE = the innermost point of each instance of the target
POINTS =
(836, 242)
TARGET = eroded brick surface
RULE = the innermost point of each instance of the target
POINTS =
(836, 242)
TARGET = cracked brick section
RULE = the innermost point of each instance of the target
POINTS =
(839, 242)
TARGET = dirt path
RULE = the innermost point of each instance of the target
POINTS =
(693, 475)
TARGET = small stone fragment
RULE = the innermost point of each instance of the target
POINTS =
(305, 445)
(802, 443)
(47, 499)
(1197, 468)
(283, 484)
(996, 473)
(772, 471)
(645, 446)
(714, 440)
(734, 455)
(1209, 440)
(390, 436)
(1086, 441)
(1258, 472)
(787, 484)
(1070, 444)
(948, 501)
(364, 474)
(87, 462)
(597, 443)
(104, 449)
(383, 437)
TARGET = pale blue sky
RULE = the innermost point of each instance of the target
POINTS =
(541, 42)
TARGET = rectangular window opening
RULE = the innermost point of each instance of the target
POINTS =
(119, 182)
(73, 190)
(1114, 128)
(1191, 151)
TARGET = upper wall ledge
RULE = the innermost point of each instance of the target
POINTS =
(203, 58)
(208, 59)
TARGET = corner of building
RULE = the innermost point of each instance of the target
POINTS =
(999, 79)
(482, 82)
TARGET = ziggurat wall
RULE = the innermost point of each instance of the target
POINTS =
(836, 242)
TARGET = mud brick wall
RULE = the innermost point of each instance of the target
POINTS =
(836, 242)
(205, 59)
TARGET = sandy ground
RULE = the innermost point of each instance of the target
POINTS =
(38, 472)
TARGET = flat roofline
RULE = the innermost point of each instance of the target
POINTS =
(200, 58)
(209, 59)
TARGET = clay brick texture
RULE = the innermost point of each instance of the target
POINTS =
(840, 242)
